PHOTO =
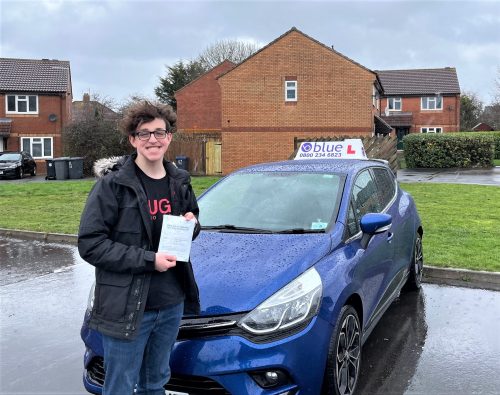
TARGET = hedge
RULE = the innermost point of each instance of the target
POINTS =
(450, 150)
(496, 137)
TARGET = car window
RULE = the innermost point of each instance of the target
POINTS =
(10, 157)
(273, 201)
(385, 185)
(364, 195)
(352, 222)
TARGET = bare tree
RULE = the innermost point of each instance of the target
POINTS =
(497, 86)
(233, 50)
(94, 133)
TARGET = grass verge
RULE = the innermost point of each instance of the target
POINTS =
(54, 206)
(460, 221)
(460, 224)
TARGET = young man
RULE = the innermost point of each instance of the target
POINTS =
(140, 293)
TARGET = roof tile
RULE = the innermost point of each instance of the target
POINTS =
(33, 75)
(419, 81)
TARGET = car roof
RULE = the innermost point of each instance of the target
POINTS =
(344, 166)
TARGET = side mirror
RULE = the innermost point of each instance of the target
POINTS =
(372, 224)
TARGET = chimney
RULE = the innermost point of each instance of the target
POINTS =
(86, 98)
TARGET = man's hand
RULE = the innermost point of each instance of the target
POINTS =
(190, 216)
(163, 261)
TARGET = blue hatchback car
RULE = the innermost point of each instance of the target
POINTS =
(296, 263)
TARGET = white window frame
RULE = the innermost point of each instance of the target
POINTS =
(431, 99)
(292, 88)
(17, 100)
(394, 101)
(34, 140)
(431, 129)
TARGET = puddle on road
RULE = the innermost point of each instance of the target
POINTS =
(22, 260)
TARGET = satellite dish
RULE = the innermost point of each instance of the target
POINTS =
(386, 111)
(52, 117)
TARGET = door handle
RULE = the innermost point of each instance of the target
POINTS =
(390, 236)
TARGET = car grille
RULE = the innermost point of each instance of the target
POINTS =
(193, 385)
(226, 325)
(192, 328)
(95, 371)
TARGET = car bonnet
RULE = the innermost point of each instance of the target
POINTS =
(236, 272)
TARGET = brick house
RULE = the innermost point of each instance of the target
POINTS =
(420, 101)
(482, 127)
(293, 87)
(37, 99)
(199, 102)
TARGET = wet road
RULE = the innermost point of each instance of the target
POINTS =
(443, 340)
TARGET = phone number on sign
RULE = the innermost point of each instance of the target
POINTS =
(320, 155)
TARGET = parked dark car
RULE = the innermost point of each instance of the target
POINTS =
(296, 263)
(16, 164)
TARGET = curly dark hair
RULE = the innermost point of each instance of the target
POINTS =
(146, 111)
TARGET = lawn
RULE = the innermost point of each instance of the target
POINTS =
(54, 206)
(461, 222)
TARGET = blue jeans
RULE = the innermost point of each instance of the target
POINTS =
(144, 361)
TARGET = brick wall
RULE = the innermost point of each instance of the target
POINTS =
(199, 103)
(332, 90)
(241, 149)
(448, 118)
(38, 125)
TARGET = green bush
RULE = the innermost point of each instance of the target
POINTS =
(496, 138)
(449, 150)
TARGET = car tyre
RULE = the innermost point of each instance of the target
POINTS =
(33, 172)
(20, 173)
(414, 281)
(344, 355)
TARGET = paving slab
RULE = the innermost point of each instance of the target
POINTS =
(454, 176)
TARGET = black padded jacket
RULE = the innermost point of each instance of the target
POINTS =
(115, 236)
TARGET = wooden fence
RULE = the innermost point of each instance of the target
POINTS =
(194, 148)
(376, 147)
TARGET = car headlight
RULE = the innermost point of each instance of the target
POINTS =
(90, 302)
(294, 304)
(14, 165)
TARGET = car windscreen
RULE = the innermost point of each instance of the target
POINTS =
(9, 157)
(271, 201)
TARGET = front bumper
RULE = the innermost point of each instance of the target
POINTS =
(225, 364)
(12, 172)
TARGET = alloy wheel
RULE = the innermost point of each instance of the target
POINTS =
(418, 260)
(348, 353)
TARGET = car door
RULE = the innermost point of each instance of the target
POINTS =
(387, 190)
(374, 265)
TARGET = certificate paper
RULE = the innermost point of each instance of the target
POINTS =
(176, 237)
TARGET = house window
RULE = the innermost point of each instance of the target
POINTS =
(394, 103)
(290, 90)
(38, 147)
(432, 103)
(22, 104)
(431, 130)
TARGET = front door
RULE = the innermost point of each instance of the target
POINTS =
(401, 132)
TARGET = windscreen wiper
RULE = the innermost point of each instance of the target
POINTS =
(236, 229)
(301, 230)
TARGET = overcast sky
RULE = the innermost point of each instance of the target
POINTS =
(120, 48)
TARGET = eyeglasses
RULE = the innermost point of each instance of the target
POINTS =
(145, 135)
